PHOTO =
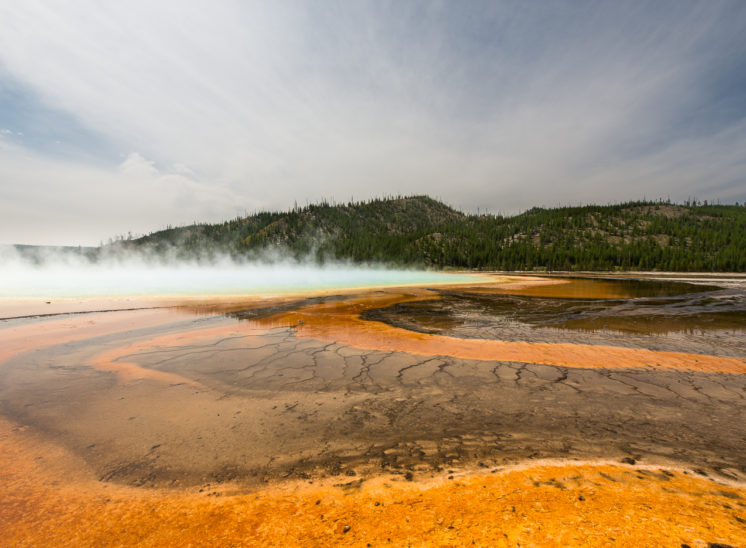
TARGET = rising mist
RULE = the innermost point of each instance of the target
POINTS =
(116, 273)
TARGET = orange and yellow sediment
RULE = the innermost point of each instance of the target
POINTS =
(22, 338)
(48, 499)
(342, 322)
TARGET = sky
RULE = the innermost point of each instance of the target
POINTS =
(120, 117)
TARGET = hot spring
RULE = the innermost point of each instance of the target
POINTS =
(61, 279)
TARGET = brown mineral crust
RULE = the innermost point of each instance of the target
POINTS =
(110, 360)
(52, 490)
(48, 498)
(341, 322)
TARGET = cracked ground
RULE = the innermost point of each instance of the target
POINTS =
(529, 412)
(301, 390)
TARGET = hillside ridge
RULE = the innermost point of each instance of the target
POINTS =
(420, 231)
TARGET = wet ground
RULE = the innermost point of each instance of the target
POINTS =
(659, 315)
(410, 383)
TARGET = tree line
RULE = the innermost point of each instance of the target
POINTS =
(420, 231)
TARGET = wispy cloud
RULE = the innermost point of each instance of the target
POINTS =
(239, 106)
(60, 202)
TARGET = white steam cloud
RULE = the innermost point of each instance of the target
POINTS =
(115, 274)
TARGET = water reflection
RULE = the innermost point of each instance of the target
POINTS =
(627, 306)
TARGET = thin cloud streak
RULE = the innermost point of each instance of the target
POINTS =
(244, 106)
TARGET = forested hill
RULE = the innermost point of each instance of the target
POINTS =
(420, 231)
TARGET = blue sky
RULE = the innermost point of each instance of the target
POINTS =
(128, 116)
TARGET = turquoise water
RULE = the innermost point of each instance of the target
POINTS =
(132, 279)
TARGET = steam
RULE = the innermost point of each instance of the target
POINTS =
(110, 272)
